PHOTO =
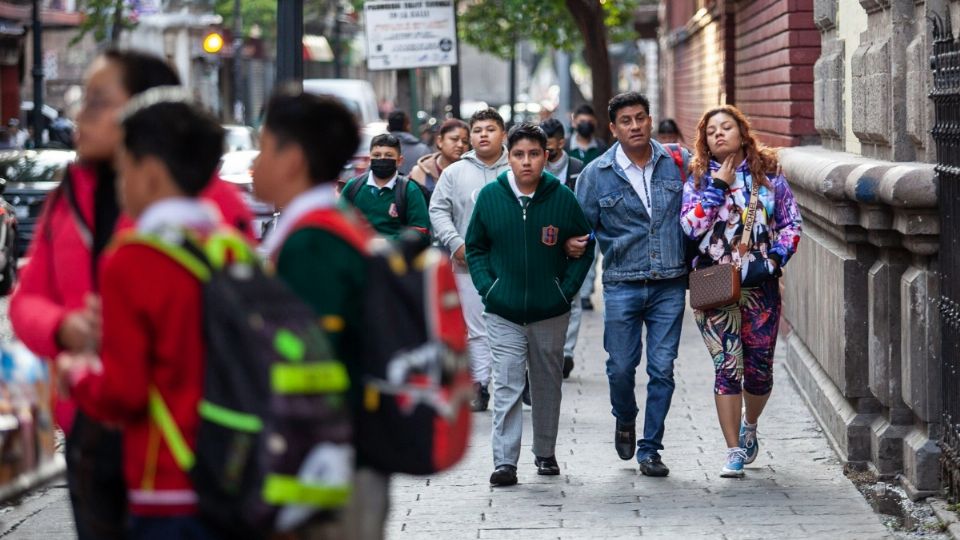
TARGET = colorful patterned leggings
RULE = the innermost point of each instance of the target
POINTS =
(741, 339)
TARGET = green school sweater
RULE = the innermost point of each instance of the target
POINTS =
(376, 205)
(516, 257)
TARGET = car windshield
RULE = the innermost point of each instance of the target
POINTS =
(34, 166)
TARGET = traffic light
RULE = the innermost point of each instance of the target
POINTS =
(213, 43)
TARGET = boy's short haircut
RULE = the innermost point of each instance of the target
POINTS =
(487, 114)
(553, 128)
(584, 109)
(526, 131)
(324, 129)
(624, 100)
(386, 139)
(397, 121)
(185, 138)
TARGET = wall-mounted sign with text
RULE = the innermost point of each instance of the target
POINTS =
(410, 34)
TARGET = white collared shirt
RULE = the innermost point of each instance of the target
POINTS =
(391, 184)
(640, 177)
(317, 198)
(516, 190)
(168, 217)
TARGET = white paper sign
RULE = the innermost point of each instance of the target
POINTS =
(405, 34)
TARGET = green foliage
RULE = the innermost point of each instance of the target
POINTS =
(101, 19)
(262, 13)
(494, 26)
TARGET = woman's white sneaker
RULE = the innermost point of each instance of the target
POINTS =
(734, 466)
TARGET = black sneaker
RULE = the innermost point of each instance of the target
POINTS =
(504, 475)
(547, 466)
(482, 398)
(525, 396)
(586, 304)
(625, 440)
(567, 366)
(652, 466)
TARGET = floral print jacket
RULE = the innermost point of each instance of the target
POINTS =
(717, 227)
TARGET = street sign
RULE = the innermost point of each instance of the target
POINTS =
(410, 34)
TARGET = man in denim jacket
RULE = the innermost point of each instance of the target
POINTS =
(631, 197)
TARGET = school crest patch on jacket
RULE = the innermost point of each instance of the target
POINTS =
(549, 235)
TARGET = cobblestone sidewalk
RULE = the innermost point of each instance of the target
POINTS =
(795, 489)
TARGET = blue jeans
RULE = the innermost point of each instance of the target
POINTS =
(629, 305)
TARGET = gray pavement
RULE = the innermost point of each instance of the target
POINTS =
(795, 489)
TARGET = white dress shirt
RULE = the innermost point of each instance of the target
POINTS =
(639, 177)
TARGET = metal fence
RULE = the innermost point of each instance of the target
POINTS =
(945, 64)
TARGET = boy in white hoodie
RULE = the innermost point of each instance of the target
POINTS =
(451, 207)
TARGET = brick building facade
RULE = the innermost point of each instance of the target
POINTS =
(755, 54)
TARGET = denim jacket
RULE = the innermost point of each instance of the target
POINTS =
(634, 245)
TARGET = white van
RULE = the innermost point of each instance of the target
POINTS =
(356, 94)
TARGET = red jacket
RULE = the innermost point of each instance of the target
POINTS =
(153, 335)
(58, 274)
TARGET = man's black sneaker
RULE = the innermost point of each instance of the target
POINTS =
(652, 466)
(481, 398)
(625, 440)
(547, 466)
(504, 475)
(525, 396)
(567, 366)
(586, 304)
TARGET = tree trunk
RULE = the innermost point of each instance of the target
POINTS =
(589, 17)
(117, 22)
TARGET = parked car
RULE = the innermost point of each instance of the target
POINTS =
(30, 176)
(237, 168)
(356, 94)
(239, 138)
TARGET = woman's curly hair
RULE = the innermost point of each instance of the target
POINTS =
(761, 159)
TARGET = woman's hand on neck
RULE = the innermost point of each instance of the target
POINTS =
(738, 157)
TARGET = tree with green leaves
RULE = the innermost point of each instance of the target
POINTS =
(106, 19)
(495, 26)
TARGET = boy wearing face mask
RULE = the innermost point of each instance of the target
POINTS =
(583, 145)
(376, 194)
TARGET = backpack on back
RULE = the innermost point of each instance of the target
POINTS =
(416, 389)
(274, 443)
(399, 193)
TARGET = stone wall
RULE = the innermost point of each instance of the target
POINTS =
(861, 294)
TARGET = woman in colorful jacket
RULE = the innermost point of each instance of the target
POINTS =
(740, 337)
(54, 308)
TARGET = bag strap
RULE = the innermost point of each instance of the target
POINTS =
(677, 154)
(355, 187)
(338, 223)
(400, 198)
(752, 207)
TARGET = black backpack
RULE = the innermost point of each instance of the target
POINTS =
(274, 443)
(399, 193)
(416, 389)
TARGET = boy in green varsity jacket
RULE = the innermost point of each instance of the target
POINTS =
(518, 265)
(319, 249)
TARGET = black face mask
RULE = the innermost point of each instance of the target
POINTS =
(383, 169)
(585, 129)
(552, 155)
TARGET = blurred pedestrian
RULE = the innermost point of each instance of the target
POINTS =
(377, 194)
(732, 173)
(631, 197)
(153, 334)
(515, 252)
(54, 311)
(451, 208)
(669, 133)
(452, 141)
(586, 147)
(16, 136)
(428, 133)
(398, 124)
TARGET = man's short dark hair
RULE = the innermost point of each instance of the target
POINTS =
(624, 100)
(324, 129)
(526, 131)
(584, 109)
(397, 121)
(553, 128)
(385, 139)
(487, 114)
(185, 138)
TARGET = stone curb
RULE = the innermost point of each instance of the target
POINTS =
(50, 470)
(948, 517)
